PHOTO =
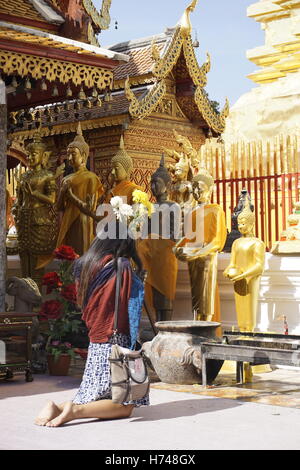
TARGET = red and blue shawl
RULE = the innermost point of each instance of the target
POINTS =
(99, 302)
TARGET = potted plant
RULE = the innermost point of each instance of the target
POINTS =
(61, 312)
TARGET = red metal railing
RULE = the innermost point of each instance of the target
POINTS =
(273, 197)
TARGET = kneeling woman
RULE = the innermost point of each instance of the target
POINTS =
(95, 274)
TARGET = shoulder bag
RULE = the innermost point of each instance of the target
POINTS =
(128, 369)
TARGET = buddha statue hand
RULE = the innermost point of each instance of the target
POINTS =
(59, 171)
(233, 273)
(28, 189)
(179, 253)
(66, 183)
(89, 204)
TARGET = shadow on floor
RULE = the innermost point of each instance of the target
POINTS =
(17, 387)
(180, 408)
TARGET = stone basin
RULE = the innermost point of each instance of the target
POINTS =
(175, 352)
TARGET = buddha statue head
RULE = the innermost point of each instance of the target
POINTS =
(36, 152)
(160, 181)
(246, 221)
(203, 185)
(122, 164)
(182, 169)
(78, 151)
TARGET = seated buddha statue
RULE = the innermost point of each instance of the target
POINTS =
(245, 269)
(122, 167)
(209, 219)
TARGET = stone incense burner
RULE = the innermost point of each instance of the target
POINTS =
(175, 352)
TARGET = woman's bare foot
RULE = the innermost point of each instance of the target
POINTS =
(64, 417)
(49, 412)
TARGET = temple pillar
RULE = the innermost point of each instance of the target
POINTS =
(3, 149)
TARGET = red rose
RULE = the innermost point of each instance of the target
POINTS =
(50, 310)
(69, 293)
(52, 281)
(65, 252)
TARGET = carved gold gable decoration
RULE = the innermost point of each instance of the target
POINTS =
(52, 69)
(102, 19)
(181, 41)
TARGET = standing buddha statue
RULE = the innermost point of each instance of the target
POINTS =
(78, 198)
(202, 257)
(245, 269)
(122, 167)
(34, 210)
(156, 251)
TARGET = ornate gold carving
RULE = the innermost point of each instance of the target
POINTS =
(165, 107)
(181, 41)
(179, 113)
(69, 127)
(142, 108)
(102, 19)
(214, 120)
(198, 74)
(163, 66)
(138, 80)
(92, 37)
(53, 69)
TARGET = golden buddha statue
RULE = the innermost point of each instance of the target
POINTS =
(181, 187)
(122, 167)
(245, 269)
(289, 242)
(187, 148)
(156, 251)
(34, 210)
(78, 198)
(202, 256)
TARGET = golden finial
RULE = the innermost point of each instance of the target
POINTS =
(185, 22)
(226, 109)
(79, 129)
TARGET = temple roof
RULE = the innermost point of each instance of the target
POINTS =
(140, 61)
(53, 41)
(32, 36)
(155, 59)
(155, 63)
(36, 13)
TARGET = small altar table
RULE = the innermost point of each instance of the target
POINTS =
(255, 348)
(15, 344)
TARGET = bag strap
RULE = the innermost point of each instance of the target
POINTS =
(118, 291)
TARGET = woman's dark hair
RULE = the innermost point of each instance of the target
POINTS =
(86, 266)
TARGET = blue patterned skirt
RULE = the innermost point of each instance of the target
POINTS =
(96, 380)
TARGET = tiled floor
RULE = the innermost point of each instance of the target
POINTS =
(280, 387)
